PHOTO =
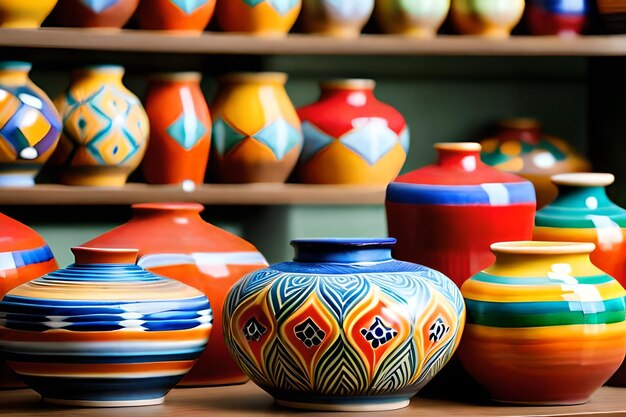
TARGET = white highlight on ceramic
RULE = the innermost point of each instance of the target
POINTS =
(498, 194)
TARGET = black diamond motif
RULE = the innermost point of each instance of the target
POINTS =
(378, 334)
(438, 330)
(309, 333)
(253, 330)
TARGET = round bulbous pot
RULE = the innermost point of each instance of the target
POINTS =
(489, 18)
(418, 18)
(539, 318)
(177, 15)
(343, 19)
(343, 309)
(112, 14)
(556, 17)
(273, 18)
(24, 14)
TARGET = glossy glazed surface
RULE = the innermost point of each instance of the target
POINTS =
(411, 17)
(30, 126)
(446, 215)
(259, 17)
(522, 148)
(175, 242)
(613, 14)
(94, 13)
(103, 333)
(24, 13)
(187, 15)
(556, 17)
(180, 130)
(105, 129)
(350, 137)
(341, 18)
(490, 18)
(256, 131)
(541, 317)
(343, 326)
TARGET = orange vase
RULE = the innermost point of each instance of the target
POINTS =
(180, 129)
(175, 242)
(185, 15)
(259, 17)
(94, 13)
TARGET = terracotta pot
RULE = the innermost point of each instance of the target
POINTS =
(556, 17)
(94, 13)
(522, 148)
(180, 129)
(344, 18)
(417, 18)
(258, 17)
(490, 18)
(613, 13)
(105, 129)
(350, 137)
(29, 126)
(541, 317)
(24, 13)
(175, 242)
(343, 310)
(446, 216)
(183, 15)
(256, 131)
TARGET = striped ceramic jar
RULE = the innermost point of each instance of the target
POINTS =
(103, 332)
(544, 325)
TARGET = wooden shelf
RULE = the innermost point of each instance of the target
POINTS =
(210, 194)
(250, 400)
(301, 44)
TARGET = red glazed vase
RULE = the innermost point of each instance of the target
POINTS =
(350, 137)
(175, 242)
(180, 130)
(556, 17)
(184, 15)
(94, 13)
(446, 216)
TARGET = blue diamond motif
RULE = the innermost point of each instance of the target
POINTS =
(280, 137)
(405, 139)
(225, 137)
(372, 140)
(314, 141)
(187, 130)
(284, 6)
(253, 3)
(99, 5)
(189, 6)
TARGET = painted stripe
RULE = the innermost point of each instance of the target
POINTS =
(493, 279)
(19, 259)
(201, 258)
(569, 292)
(103, 348)
(56, 336)
(142, 370)
(485, 194)
(139, 357)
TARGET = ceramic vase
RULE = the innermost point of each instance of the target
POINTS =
(105, 129)
(556, 17)
(419, 18)
(29, 126)
(180, 129)
(258, 17)
(340, 18)
(350, 137)
(541, 317)
(446, 215)
(180, 15)
(613, 14)
(256, 130)
(24, 13)
(103, 332)
(520, 147)
(489, 18)
(94, 13)
(175, 242)
(342, 311)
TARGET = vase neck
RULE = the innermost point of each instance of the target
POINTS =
(463, 157)
(180, 213)
(103, 73)
(591, 197)
(91, 256)
(343, 251)
(355, 91)
(14, 73)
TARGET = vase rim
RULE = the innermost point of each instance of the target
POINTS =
(182, 76)
(520, 123)
(458, 146)
(16, 65)
(338, 242)
(584, 179)
(268, 77)
(527, 247)
(87, 255)
(349, 84)
(103, 68)
(168, 206)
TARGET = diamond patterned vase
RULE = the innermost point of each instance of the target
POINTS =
(344, 327)
(417, 18)
(350, 137)
(258, 17)
(94, 13)
(187, 15)
(180, 129)
(342, 18)
(29, 126)
(256, 131)
(105, 129)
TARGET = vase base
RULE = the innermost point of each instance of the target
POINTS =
(348, 406)
(103, 404)
(561, 402)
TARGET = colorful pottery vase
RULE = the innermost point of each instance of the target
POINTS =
(256, 130)
(185, 15)
(103, 332)
(343, 327)
(613, 13)
(447, 215)
(94, 13)
(541, 317)
(258, 17)
(24, 13)
(341, 18)
(490, 18)
(105, 129)
(556, 17)
(521, 147)
(29, 126)
(180, 129)
(175, 242)
(350, 137)
(419, 18)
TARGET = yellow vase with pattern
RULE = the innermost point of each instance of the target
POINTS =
(24, 13)
(105, 129)
(490, 18)
(258, 17)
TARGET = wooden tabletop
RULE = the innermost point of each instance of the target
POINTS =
(249, 400)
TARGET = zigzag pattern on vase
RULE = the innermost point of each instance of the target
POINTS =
(189, 6)
(282, 6)
(99, 6)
